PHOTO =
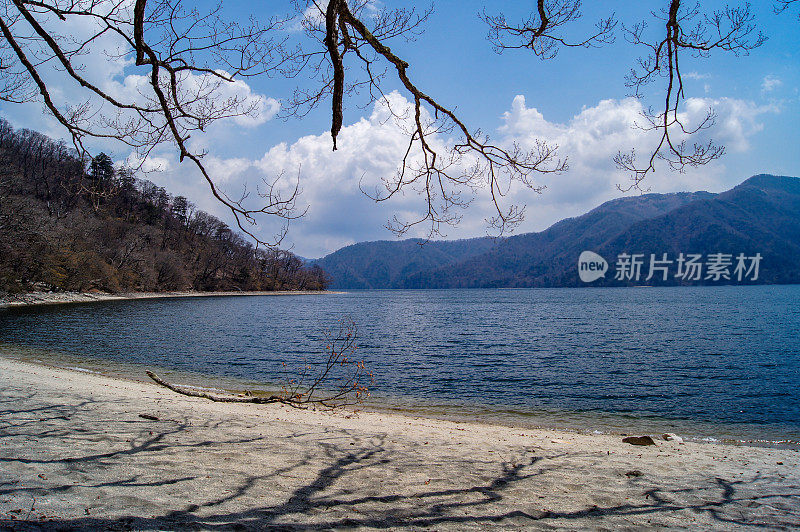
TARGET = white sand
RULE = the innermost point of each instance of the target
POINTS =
(74, 453)
(57, 298)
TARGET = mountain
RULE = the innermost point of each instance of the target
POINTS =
(387, 264)
(760, 216)
(538, 259)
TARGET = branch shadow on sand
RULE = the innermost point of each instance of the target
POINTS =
(346, 482)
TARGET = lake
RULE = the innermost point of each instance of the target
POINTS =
(711, 362)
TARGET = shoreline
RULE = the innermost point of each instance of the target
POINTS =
(77, 453)
(587, 423)
(57, 298)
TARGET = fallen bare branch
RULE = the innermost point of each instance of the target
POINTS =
(337, 383)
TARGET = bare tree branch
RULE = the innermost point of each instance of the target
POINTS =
(187, 59)
(338, 381)
(539, 32)
(783, 5)
(687, 31)
(445, 176)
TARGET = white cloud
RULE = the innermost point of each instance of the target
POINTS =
(770, 83)
(592, 137)
(313, 15)
(736, 120)
(370, 149)
(152, 163)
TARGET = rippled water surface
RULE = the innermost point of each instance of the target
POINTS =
(709, 355)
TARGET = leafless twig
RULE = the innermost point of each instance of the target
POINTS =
(687, 31)
(540, 31)
(445, 176)
(338, 380)
(783, 5)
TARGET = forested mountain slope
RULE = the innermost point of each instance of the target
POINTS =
(387, 264)
(540, 259)
(760, 216)
(69, 225)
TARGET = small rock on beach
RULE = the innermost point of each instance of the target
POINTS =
(639, 440)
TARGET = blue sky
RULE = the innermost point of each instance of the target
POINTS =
(577, 99)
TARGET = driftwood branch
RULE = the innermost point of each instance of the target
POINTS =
(337, 382)
(219, 398)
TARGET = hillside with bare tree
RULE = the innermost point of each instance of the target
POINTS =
(66, 224)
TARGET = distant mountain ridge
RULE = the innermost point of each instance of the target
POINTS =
(387, 264)
(761, 215)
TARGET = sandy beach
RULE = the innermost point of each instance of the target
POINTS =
(57, 298)
(77, 453)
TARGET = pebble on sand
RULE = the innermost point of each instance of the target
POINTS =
(639, 440)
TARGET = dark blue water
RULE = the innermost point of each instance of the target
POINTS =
(724, 355)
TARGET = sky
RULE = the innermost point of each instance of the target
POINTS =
(577, 100)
